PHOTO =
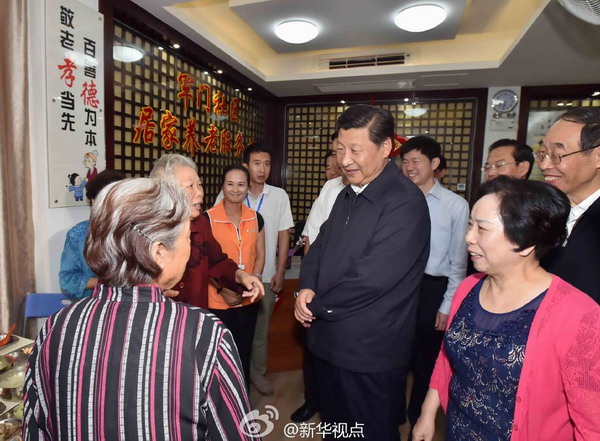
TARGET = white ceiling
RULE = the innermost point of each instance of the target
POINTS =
(489, 43)
(342, 23)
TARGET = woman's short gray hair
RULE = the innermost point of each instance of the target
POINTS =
(127, 218)
(163, 167)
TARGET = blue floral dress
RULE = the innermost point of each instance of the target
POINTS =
(486, 351)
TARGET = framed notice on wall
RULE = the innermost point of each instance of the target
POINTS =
(75, 100)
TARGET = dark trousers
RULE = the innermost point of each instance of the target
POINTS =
(428, 342)
(311, 388)
(241, 323)
(366, 402)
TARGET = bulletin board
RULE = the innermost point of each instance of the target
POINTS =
(75, 100)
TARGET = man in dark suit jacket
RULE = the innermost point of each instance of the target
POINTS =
(360, 280)
(569, 158)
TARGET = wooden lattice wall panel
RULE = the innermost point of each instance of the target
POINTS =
(155, 82)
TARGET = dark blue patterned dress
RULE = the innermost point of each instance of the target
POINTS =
(486, 351)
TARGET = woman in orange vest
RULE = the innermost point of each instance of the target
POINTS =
(239, 231)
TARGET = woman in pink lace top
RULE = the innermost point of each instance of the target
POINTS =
(521, 354)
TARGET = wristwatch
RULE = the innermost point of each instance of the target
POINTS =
(296, 293)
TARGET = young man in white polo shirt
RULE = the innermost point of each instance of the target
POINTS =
(273, 204)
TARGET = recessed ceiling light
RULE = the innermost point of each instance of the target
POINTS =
(560, 104)
(296, 31)
(597, 93)
(343, 102)
(406, 100)
(249, 89)
(219, 71)
(160, 48)
(176, 45)
(420, 18)
(205, 73)
(237, 90)
(127, 54)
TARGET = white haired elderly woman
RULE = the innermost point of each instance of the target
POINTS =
(127, 362)
(207, 258)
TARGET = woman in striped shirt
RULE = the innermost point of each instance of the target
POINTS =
(128, 363)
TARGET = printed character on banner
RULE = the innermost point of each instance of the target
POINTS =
(185, 81)
(89, 162)
(145, 126)
(203, 94)
(168, 123)
(220, 104)
(234, 110)
(239, 146)
(89, 93)
(191, 143)
(77, 186)
(225, 145)
(67, 71)
(211, 139)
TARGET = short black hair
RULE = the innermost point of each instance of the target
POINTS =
(424, 144)
(102, 179)
(328, 154)
(521, 152)
(333, 136)
(533, 213)
(72, 178)
(236, 167)
(443, 165)
(590, 118)
(257, 147)
(380, 122)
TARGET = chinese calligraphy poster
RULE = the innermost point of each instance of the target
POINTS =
(75, 85)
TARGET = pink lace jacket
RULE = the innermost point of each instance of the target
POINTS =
(558, 397)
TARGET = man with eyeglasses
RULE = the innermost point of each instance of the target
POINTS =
(508, 157)
(569, 159)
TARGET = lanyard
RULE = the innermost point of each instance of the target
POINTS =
(259, 202)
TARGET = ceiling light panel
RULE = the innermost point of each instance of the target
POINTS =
(340, 26)
(297, 31)
(420, 18)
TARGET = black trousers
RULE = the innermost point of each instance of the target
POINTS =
(241, 322)
(311, 388)
(428, 342)
(367, 402)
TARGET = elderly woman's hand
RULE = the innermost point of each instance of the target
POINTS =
(253, 285)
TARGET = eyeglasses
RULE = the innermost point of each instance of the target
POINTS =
(499, 164)
(555, 158)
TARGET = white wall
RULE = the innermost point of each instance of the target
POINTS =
(50, 224)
